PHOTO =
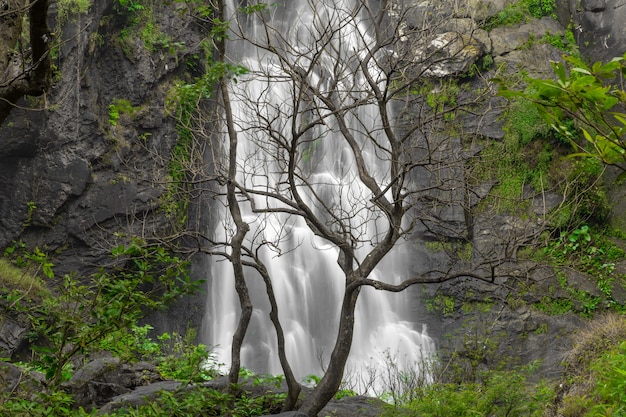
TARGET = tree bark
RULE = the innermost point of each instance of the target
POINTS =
(330, 382)
(23, 75)
(293, 387)
(241, 226)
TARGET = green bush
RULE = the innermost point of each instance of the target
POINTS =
(81, 315)
(610, 389)
(541, 8)
(520, 12)
(185, 361)
(595, 379)
(205, 402)
(499, 393)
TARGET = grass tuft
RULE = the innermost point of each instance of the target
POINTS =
(14, 278)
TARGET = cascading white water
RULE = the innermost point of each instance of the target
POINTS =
(303, 267)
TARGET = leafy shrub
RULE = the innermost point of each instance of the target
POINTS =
(131, 344)
(541, 8)
(595, 368)
(499, 393)
(610, 390)
(184, 361)
(520, 12)
(204, 402)
(82, 314)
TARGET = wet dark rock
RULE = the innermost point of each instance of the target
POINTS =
(287, 414)
(139, 396)
(102, 379)
(354, 406)
(19, 382)
(598, 26)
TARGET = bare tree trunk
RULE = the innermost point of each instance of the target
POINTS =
(293, 386)
(242, 229)
(330, 382)
(241, 226)
(20, 75)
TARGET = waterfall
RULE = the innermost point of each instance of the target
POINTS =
(303, 267)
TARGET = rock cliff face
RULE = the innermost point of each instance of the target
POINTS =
(598, 25)
(77, 168)
(85, 166)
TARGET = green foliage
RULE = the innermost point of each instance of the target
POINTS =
(118, 108)
(182, 360)
(80, 315)
(459, 249)
(591, 253)
(517, 161)
(596, 370)
(183, 101)
(554, 306)
(313, 380)
(275, 381)
(66, 9)
(153, 39)
(520, 12)
(586, 250)
(587, 95)
(53, 404)
(530, 158)
(21, 279)
(441, 303)
(131, 6)
(142, 24)
(541, 8)
(521, 159)
(499, 393)
(610, 389)
(444, 97)
(131, 344)
(565, 42)
(204, 402)
(585, 198)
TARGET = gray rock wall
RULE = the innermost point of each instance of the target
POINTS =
(599, 26)
(70, 180)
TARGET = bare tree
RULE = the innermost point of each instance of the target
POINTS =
(329, 79)
(25, 63)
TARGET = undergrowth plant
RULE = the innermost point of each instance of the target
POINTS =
(204, 402)
(497, 393)
(81, 314)
(182, 360)
(588, 251)
(521, 11)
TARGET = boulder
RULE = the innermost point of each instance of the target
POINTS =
(354, 406)
(143, 394)
(17, 381)
(509, 38)
(481, 10)
(14, 326)
(13, 335)
(448, 54)
(139, 396)
(102, 379)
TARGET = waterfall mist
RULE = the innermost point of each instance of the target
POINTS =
(325, 41)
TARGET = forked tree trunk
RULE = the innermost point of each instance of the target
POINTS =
(293, 387)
